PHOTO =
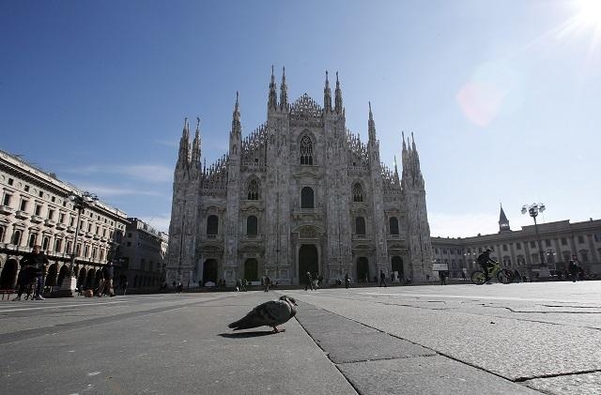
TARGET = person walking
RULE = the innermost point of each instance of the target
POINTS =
(382, 279)
(309, 281)
(106, 286)
(347, 281)
(32, 265)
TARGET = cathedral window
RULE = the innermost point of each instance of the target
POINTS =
(360, 226)
(253, 189)
(357, 192)
(212, 226)
(251, 225)
(307, 199)
(306, 151)
(394, 226)
(2, 233)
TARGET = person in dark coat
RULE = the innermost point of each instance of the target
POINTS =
(309, 281)
(106, 287)
(347, 280)
(33, 265)
(382, 279)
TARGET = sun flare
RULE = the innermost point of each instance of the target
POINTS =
(589, 12)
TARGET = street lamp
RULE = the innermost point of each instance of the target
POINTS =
(80, 203)
(534, 209)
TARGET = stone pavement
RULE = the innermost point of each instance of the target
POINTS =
(461, 339)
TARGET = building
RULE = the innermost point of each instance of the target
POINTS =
(37, 208)
(299, 194)
(142, 256)
(560, 242)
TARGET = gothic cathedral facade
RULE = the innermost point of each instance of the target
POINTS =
(299, 194)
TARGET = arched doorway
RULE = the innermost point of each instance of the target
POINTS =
(397, 266)
(251, 269)
(308, 261)
(8, 277)
(62, 273)
(209, 271)
(51, 276)
(81, 280)
(363, 270)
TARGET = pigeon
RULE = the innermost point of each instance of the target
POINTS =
(272, 313)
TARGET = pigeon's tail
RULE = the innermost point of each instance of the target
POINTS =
(244, 323)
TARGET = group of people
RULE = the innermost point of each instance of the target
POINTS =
(312, 282)
(30, 280)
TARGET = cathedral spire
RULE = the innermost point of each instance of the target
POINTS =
(184, 146)
(236, 132)
(338, 99)
(283, 92)
(196, 145)
(371, 127)
(272, 103)
(503, 221)
(404, 145)
(327, 96)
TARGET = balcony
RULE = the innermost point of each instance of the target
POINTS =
(6, 210)
(61, 226)
(36, 219)
(71, 229)
(21, 214)
(50, 223)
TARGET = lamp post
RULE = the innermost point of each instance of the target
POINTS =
(533, 210)
(80, 203)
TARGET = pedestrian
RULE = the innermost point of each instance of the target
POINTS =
(443, 277)
(463, 275)
(106, 284)
(574, 270)
(32, 265)
(347, 281)
(382, 278)
(309, 281)
(266, 284)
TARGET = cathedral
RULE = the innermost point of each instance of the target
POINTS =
(300, 194)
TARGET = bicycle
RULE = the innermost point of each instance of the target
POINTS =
(504, 276)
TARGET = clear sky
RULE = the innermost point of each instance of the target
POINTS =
(500, 95)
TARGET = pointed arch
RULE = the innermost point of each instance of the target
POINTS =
(253, 189)
(357, 192)
(306, 150)
(307, 198)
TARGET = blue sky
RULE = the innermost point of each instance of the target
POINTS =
(502, 96)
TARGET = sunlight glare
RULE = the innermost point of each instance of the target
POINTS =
(589, 12)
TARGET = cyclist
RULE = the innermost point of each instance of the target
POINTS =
(485, 261)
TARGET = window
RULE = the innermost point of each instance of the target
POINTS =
(307, 198)
(518, 246)
(26, 188)
(306, 151)
(547, 243)
(581, 239)
(532, 244)
(50, 214)
(58, 243)
(16, 239)
(394, 226)
(584, 256)
(360, 226)
(10, 181)
(504, 247)
(32, 239)
(45, 243)
(253, 190)
(23, 205)
(2, 233)
(38, 209)
(357, 192)
(212, 226)
(251, 225)
(6, 200)
(41, 193)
